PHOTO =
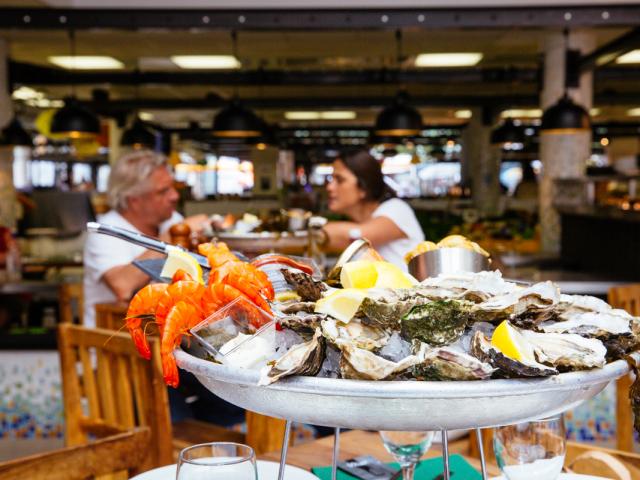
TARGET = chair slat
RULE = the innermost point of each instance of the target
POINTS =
(124, 392)
(90, 388)
(105, 385)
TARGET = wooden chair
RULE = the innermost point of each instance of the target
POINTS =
(70, 294)
(110, 315)
(123, 452)
(602, 462)
(626, 297)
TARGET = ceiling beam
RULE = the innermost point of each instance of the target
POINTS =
(609, 52)
(321, 19)
(29, 74)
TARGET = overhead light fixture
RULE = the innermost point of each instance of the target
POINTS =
(86, 62)
(75, 121)
(328, 115)
(463, 114)
(507, 133)
(594, 112)
(630, 57)
(633, 112)
(14, 135)
(399, 119)
(206, 62)
(237, 121)
(26, 93)
(565, 117)
(139, 136)
(435, 60)
(522, 113)
(145, 116)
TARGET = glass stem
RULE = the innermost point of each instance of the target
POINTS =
(407, 471)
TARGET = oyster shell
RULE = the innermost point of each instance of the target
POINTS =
(537, 301)
(356, 333)
(384, 307)
(507, 367)
(302, 359)
(436, 323)
(357, 363)
(310, 290)
(590, 323)
(475, 287)
(447, 363)
(304, 324)
(567, 350)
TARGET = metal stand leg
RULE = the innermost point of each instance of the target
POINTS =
(445, 454)
(285, 447)
(483, 464)
(336, 450)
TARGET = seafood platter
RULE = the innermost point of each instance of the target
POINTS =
(371, 347)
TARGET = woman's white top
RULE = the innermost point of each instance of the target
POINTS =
(400, 213)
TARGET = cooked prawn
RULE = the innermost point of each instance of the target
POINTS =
(143, 304)
(180, 319)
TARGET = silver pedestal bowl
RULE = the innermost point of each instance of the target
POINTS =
(403, 405)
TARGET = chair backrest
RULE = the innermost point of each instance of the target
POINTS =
(110, 315)
(70, 294)
(108, 387)
(602, 462)
(126, 451)
(626, 297)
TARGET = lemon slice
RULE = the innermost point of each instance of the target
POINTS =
(359, 274)
(341, 304)
(392, 276)
(512, 343)
(181, 260)
(286, 296)
(368, 274)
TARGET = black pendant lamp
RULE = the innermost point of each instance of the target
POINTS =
(399, 119)
(139, 136)
(75, 121)
(564, 117)
(507, 133)
(237, 121)
(14, 134)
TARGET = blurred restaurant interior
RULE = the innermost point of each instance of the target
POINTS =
(515, 125)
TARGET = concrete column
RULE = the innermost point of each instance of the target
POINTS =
(481, 164)
(562, 155)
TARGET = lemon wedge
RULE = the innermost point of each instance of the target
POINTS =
(286, 296)
(341, 304)
(368, 274)
(181, 260)
(512, 343)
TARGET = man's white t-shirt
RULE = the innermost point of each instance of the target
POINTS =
(400, 213)
(102, 253)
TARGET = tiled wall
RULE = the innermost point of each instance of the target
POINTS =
(30, 395)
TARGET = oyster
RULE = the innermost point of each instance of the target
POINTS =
(567, 350)
(475, 287)
(356, 333)
(446, 363)
(595, 324)
(302, 359)
(384, 307)
(537, 302)
(436, 323)
(310, 290)
(357, 363)
(295, 307)
(304, 324)
(507, 367)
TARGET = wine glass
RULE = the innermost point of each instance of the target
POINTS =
(217, 461)
(407, 448)
(531, 450)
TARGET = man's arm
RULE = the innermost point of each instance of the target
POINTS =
(125, 280)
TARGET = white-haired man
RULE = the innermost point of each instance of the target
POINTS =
(142, 199)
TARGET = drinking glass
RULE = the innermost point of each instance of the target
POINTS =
(407, 448)
(217, 461)
(531, 450)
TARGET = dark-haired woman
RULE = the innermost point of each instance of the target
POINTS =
(357, 189)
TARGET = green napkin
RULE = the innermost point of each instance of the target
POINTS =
(427, 470)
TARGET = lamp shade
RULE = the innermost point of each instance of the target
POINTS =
(75, 121)
(138, 136)
(508, 132)
(14, 134)
(399, 119)
(565, 116)
(236, 121)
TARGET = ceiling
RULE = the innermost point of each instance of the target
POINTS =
(298, 50)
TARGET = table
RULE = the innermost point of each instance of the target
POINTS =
(358, 442)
